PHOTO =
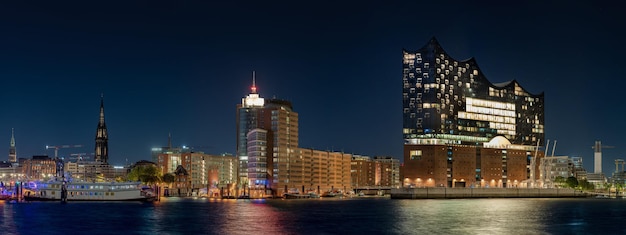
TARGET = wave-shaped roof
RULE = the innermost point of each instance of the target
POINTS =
(434, 46)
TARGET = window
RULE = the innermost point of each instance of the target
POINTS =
(416, 154)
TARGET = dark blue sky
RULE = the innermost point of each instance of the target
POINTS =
(182, 68)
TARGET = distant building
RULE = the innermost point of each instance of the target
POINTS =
(579, 171)
(619, 176)
(159, 150)
(315, 170)
(597, 179)
(93, 171)
(387, 171)
(271, 161)
(460, 130)
(12, 151)
(198, 170)
(247, 119)
(375, 172)
(10, 172)
(40, 167)
(102, 137)
(553, 167)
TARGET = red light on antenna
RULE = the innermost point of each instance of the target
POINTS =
(253, 88)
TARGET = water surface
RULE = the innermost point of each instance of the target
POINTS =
(318, 216)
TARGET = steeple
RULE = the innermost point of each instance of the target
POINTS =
(12, 152)
(102, 138)
(12, 138)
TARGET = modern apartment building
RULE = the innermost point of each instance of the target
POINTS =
(375, 172)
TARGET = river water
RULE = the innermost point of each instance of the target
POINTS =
(318, 216)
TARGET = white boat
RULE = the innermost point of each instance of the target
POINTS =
(88, 191)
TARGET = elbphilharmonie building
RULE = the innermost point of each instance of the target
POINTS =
(460, 129)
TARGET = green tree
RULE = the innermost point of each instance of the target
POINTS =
(169, 178)
(571, 182)
(560, 181)
(147, 174)
(585, 185)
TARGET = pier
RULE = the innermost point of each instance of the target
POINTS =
(450, 193)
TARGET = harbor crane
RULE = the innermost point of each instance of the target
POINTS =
(57, 147)
(81, 156)
(597, 156)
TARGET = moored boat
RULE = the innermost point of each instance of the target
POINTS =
(296, 196)
(88, 191)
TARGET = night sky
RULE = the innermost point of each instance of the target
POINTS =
(181, 68)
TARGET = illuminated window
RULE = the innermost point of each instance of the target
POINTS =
(416, 154)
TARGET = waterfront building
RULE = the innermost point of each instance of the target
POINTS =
(553, 167)
(579, 171)
(361, 171)
(387, 171)
(460, 130)
(39, 167)
(619, 176)
(329, 171)
(102, 137)
(270, 159)
(198, 170)
(247, 120)
(379, 171)
(93, 171)
(597, 179)
(10, 172)
(12, 151)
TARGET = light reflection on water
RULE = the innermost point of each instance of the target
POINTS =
(318, 216)
(471, 216)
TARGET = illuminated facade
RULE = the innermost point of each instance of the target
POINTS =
(247, 120)
(102, 137)
(39, 168)
(12, 152)
(270, 159)
(199, 170)
(317, 170)
(455, 120)
(375, 172)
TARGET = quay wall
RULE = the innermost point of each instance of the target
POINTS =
(449, 193)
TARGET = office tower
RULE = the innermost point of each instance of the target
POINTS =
(247, 120)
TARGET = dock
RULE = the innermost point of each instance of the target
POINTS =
(451, 193)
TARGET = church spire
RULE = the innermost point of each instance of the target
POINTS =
(12, 152)
(12, 138)
(102, 138)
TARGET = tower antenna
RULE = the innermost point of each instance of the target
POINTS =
(253, 81)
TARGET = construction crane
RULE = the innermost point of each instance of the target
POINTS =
(597, 156)
(598, 147)
(81, 156)
(57, 147)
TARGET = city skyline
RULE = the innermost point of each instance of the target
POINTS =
(180, 68)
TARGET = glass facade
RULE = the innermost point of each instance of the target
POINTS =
(447, 101)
